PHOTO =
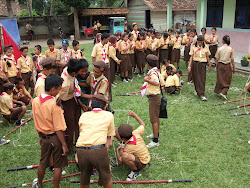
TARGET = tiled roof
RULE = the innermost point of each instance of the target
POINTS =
(104, 11)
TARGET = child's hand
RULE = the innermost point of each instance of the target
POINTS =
(244, 91)
(119, 148)
(147, 78)
(131, 113)
(65, 150)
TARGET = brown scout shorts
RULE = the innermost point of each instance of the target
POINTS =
(139, 164)
(13, 115)
(94, 158)
(52, 146)
(154, 107)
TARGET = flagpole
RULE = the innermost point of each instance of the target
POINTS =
(1, 33)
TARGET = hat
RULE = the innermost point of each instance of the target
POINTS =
(47, 61)
(152, 58)
(100, 65)
(134, 24)
(112, 39)
(65, 42)
(100, 98)
(9, 84)
(125, 131)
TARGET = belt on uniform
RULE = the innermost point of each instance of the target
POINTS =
(150, 96)
(199, 62)
(224, 63)
(47, 136)
(92, 147)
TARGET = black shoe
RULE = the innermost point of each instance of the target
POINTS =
(18, 122)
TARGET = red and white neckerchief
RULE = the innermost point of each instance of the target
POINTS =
(77, 92)
(152, 43)
(2, 94)
(1, 67)
(213, 39)
(26, 61)
(104, 53)
(10, 59)
(66, 56)
(44, 97)
(132, 141)
(19, 92)
(52, 50)
(94, 84)
(199, 49)
(76, 54)
(96, 110)
(165, 41)
(144, 89)
(41, 75)
(113, 45)
(141, 44)
(38, 62)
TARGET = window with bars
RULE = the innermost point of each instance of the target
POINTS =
(242, 14)
(215, 13)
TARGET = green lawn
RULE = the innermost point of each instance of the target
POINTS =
(198, 141)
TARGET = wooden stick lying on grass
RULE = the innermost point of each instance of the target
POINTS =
(18, 127)
(241, 114)
(231, 101)
(237, 107)
(141, 182)
(30, 167)
(22, 185)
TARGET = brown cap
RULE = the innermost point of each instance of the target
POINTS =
(134, 24)
(100, 65)
(47, 61)
(100, 98)
(152, 58)
(9, 84)
(125, 131)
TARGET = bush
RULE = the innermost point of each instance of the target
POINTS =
(24, 13)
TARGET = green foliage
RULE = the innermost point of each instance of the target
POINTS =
(59, 9)
(106, 3)
(24, 13)
(78, 4)
(244, 58)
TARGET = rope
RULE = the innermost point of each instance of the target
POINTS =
(163, 159)
(19, 137)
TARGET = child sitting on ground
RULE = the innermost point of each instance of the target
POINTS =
(20, 93)
(173, 83)
(135, 153)
(7, 108)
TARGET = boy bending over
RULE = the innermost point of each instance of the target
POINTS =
(135, 154)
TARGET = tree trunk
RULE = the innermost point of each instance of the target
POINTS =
(9, 8)
(76, 24)
(29, 7)
(52, 7)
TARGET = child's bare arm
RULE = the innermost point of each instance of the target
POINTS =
(118, 156)
(132, 114)
(60, 135)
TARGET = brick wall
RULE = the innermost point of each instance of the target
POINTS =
(15, 8)
(3, 8)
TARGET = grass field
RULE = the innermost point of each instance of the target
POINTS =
(198, 141)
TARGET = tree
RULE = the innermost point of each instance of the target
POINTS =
(52, 7)
(29, 7)
(76, 5)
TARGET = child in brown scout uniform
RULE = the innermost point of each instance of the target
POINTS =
(125, 63)
(176, 49)
(63, 56)
(163, 48)
(67, 94)
(173, 84)
(140, 54)
(213, 45)
(49, 67)
(135, 31)
(37, 58)
(98, 26)
(20, 93)
(96, 129)
(132, 66)
(193, 40)
(98, 83)
(9, 65)
(77, 53)
(206, 36)
(113, 60)
(50, 125)
(186, 41)
(170, 44)
(25, 67)
(9, 111)
(224, 64)
(153, 44)
(198, 61)
(154, 83)
(51, 52)
(164, 69)
(3, 77)
(135, 153)
(95, 29)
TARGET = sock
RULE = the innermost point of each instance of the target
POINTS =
(158, 135)
(136, 170)
(155, 140)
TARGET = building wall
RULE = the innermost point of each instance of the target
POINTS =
(159, 20)
(229, 14)
(15, 8)
(137, 13)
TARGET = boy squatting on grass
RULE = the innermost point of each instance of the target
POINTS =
(135, 153)
(50, 125)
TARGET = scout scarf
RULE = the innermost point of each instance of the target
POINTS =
(199, 49)
(1, 68)
(96, 110)
(77, 92)
(26, 61)
(38, 62)
(44, 97)
(111, 44)
(94, 84)
(141, 44)
(152, 43)
(41, 75)
(66, 56)
(144, 86)
(131, 142)
(76, 54)
(213, 39)
(10, 59)
(104, 53)
(19, 92)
